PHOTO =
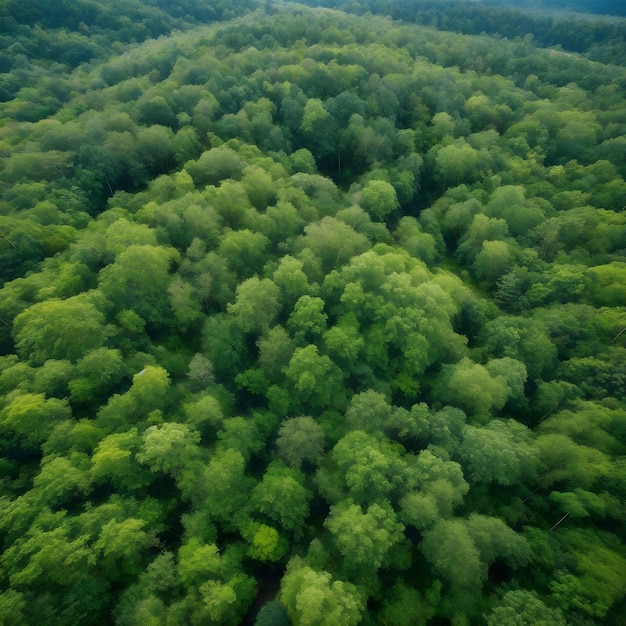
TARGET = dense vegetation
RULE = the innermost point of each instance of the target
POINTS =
(308, 317)
(599, 39)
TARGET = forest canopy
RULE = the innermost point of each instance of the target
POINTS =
(311, 315)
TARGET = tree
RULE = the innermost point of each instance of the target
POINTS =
(259, 186)
(406, 606)
(138, 281)
(379, 199)
(282, 497)
(275, 351)
(333, 242)
(509, 203)
(257, 304)
(481, 229)
(197, 562)
(456, 162)
(114, 462)
(185, 303)
(501, 452)
(436, 487)
(272, 614)
(364, 538)
(122, 233)
(300, 440)
(200, 372)
(241, 434)
(314, 377)
(221, 488)
(495, 540)
(514, 374)
(96, 374)
(369, 411)
(204, 415)
(494, 259)
(59, 481)
(593, 584)
(266, 543)
(244, 251)
(343, 342)
(363, 467)
(313, 598)
(524, 608)
(449, 548)
(308, 319)
(169, 448)
(123, 547)
(33, 417)
(59, 329)
(291, 279)
(470, 386)
(147, 393)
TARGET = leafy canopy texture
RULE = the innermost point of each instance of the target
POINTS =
(312, 314)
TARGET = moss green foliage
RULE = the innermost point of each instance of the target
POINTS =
(311, 317)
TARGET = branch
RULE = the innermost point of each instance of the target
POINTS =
(10, 242)
(561, 520)
(618, 334)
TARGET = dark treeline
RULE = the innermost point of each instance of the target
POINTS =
(312, 318)
(40, 36)
(599, 40)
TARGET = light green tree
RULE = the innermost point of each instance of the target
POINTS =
(313, 598)
(364, 537)
(257, 304)
(58, 329)
(379, 199)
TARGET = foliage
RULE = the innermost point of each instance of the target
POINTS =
(314, 307)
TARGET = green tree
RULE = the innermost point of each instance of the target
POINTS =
(364, 538)
(59, 329)
(313, 376)
(291, 279)
(169, 448)
(300, 440)
(456, 162)
(272, 614)
(362, 467)
(97, 373)
(222, 487)
(313, 598)
(138, 281)
(114, 462)
(449, 548)
(122, 547)
(333, 242)
(275, 351)
(379, 199)
(32, 417)
(308, 319)
(257, 304)
(494, 259)
(471, 387)
(282, 497)
(501, 452)
(59, 481)
(524, 608)
(200, 372)
(437, 486)
(244, 251)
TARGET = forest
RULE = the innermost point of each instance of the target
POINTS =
(311, 314)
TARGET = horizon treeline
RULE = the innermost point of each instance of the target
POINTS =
(310, 317)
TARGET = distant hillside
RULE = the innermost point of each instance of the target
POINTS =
(599, 39)
(599, 7)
